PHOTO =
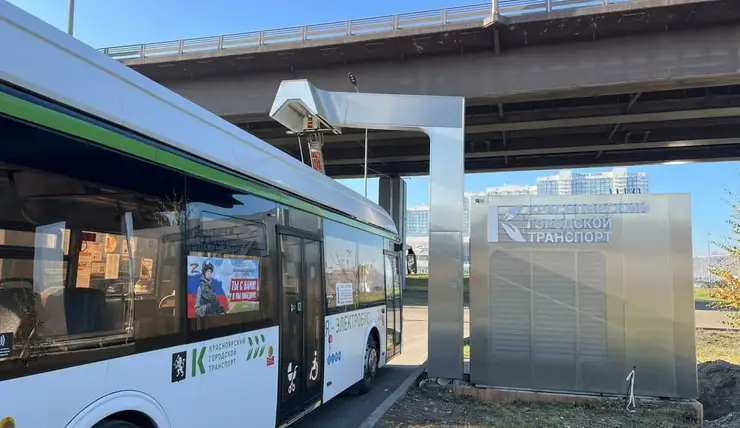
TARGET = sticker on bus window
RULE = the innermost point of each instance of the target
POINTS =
(112, 266)
(222, 286)
(6, 345)
(345, 296)
(145, 271)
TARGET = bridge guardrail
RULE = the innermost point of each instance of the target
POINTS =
(340, 29)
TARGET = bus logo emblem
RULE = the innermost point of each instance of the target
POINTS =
(179, 366)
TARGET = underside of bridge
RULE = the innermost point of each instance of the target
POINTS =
(689, 121)
(642, 113)
(623, 129)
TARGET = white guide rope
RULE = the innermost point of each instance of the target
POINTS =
(631, 390)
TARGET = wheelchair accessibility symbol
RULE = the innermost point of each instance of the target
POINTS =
(334, 358)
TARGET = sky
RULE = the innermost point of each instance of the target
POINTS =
(106, 23)
(708, 183)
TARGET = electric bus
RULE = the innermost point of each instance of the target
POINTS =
(162, 268)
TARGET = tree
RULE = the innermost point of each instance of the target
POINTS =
(728, 271)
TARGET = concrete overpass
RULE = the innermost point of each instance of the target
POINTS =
(625, 83)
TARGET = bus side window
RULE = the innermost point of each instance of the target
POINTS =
(372, 281)
(341, 265)
(231, 259)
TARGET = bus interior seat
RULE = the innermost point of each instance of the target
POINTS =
(167, 305)
(83, 310)
(146, 307)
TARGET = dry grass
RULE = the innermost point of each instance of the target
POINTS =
(718, 345)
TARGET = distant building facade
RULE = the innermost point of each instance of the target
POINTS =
(617, 180)
(565, 182)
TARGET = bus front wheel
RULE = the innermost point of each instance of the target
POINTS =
(371, 365)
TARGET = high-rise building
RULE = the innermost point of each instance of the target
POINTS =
(617, 180)
(417, 221)
(703, 265)
(511, 189)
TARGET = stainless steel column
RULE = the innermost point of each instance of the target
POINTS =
(446, 223)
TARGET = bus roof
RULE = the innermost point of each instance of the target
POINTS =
(44, 60)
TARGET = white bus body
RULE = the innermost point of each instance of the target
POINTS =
(162, 268)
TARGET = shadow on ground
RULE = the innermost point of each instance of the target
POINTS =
(350, 411)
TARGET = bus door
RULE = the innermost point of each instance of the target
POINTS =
(301, 322)
(393, 303)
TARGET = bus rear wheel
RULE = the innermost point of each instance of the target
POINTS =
(371, 365)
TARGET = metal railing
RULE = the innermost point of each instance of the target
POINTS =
(354, 27)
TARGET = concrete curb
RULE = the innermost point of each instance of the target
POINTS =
(407, 384)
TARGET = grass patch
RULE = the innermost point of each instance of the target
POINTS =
(718, 345)
(711, 345)
(704, 295)
(420, 283)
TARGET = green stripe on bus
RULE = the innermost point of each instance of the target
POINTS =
(52, 119)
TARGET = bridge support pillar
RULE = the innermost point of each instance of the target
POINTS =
(392, 197)
(443, 120)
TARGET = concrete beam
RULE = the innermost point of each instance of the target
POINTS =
(547, 124)
(387, 158)
(624, 65)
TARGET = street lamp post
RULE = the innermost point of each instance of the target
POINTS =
(709, 256)
(353, 81)
(71, 18)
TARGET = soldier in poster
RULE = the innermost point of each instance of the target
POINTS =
(206, 301)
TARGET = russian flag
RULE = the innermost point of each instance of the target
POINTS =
(194, 283)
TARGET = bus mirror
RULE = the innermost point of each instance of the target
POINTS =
(411, 262)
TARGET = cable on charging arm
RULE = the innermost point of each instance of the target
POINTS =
(631, 391)
(353, 81)
(300, 147)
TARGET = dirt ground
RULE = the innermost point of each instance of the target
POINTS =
(436, 406)
(718, 371)
(718, 355)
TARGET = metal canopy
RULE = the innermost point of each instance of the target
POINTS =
(443, 120)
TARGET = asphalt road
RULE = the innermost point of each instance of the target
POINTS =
(350, 411)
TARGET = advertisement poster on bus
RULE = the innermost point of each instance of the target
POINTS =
(222, 286)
